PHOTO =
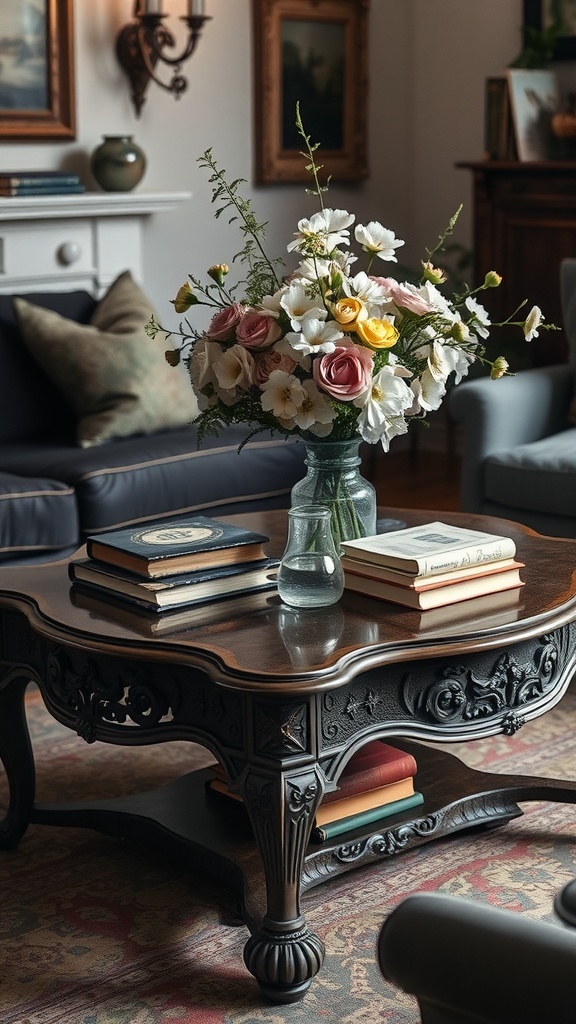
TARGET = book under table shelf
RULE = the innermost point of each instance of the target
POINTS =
(220, 845)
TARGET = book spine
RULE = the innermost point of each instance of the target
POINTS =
(48, 190)
(347, 806)
(479, 554)
(343, 825)
(373, 777)
(39, 181)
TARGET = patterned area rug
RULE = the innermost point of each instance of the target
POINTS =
(96, 931)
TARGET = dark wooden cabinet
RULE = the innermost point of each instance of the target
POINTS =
(524, 225)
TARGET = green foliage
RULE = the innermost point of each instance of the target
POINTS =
(538, 48)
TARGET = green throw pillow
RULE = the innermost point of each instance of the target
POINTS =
(114, 376)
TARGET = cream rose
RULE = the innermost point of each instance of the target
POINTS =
(348, 312)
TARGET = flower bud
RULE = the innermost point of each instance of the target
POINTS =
(499, 368)
(184, 299)
(435, 275)
(492, 279)
(218, 272)
(460, 331)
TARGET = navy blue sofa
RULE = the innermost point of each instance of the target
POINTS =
(54, 493)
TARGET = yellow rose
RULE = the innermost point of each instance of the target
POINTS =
(377, 333)
(348, 312)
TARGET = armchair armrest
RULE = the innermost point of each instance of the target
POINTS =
(499, 414)
(468, 962)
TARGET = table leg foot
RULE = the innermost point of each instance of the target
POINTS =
(284, 961)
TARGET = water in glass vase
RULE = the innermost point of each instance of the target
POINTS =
(310, 573)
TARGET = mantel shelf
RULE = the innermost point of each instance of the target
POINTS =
(90, 204)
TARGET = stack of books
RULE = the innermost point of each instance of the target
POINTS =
(377, 782)
(431, 566)
(39, 183)
(170, 566)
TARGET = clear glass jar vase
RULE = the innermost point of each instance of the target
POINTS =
(310, 574)
(333, 479)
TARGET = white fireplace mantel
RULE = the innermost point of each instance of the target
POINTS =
(62, 242)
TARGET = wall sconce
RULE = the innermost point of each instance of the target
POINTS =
(144, 41)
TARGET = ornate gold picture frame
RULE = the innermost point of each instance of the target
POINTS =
(36, 70)
(314, 52)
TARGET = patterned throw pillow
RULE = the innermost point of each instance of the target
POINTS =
(111, 372)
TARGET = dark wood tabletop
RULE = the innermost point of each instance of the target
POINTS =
(265, 644)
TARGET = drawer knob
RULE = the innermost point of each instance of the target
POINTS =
(69, 252)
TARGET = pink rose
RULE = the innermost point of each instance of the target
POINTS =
(405, 296)
(344, 373)
(223, 323)
(257, 331)
(267, 362)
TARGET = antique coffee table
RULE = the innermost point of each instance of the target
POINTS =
(283, 698)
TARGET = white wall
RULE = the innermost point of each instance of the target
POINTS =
(428, 60)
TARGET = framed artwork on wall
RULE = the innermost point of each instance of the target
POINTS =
(315, 53)
(36, 70)
(542, 14)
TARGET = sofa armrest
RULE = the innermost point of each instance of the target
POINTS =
(468, 962)
(496, 415)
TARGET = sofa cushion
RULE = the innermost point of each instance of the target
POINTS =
(36, 515)
(539, 476)
(32, 406)
(143, 478)
(114, 375)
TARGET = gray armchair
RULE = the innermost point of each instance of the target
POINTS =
(518, 443)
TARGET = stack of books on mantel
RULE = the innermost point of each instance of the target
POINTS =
(39, 183)
(169, 566)
(431, 566)
(377, 782)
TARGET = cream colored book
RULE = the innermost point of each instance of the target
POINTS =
(409, 579)
(433, 597)
(431, 548)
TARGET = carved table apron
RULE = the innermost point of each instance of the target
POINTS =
(283, 698)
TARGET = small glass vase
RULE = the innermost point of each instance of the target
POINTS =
(310, 573)
(333, 479)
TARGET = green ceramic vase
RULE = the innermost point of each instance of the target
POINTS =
(118, 163)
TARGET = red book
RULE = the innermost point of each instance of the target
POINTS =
(375, 764)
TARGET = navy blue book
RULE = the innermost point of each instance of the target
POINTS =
(49, 189)
(178, 589)
(14, 178)
(177, 546)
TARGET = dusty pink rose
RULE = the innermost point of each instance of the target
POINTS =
(344, 373)
(267, 362)
(257, 331)
(405, 296)
(223, 323)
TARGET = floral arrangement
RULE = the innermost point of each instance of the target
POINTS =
(332, 349)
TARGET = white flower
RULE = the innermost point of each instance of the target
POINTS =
(297, 404)
(445, 359)
(322, 233)
(315, 336)
(375, 238)
(532, 323)
(480, 321)
(383, 406)
(429, 391)
(234, 371)
(365, 288)
(300, 305)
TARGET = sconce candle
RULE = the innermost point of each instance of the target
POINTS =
(195, 8)
(152, 7)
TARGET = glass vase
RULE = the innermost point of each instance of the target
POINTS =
(310, 574)
(333, 479)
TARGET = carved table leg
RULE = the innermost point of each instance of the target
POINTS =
(283, 955)
(17, 757)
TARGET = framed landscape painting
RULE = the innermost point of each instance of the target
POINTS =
(311, 52)
(36, 70)
(542, 14)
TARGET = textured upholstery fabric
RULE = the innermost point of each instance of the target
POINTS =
(536, 476)
(161, 475)
(30, 403)
(36, 514)
(110, 371)
(518, 448)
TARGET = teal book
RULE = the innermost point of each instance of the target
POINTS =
(52, 189)
(36, 178)
(320, 834)
(177, 546)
